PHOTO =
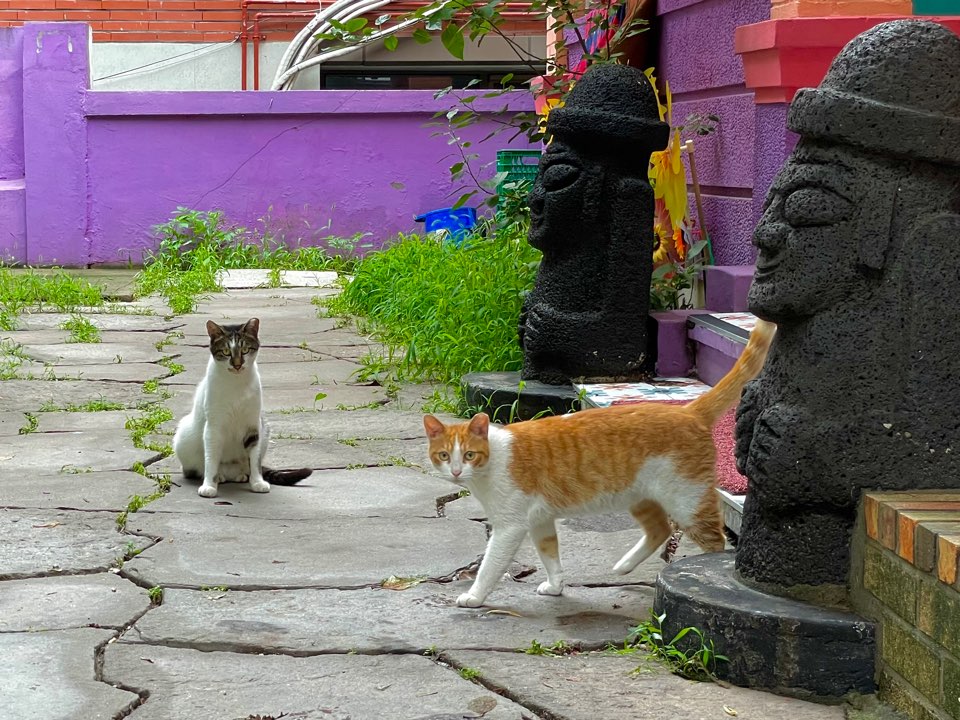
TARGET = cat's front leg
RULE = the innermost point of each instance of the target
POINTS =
(503, 546)
(544, 536)
(212, 454)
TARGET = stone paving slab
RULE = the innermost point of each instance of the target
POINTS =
(304, 373)
(105, 321)
(59, 603)
(593, 686)
(36, 542)
(297, 398)
(51, 676)
(94, 450)
(242, 279)
(128, 372)
(189, 684)
(11, 422)
(57, 422)
(53, 337)
(365, 492)
(382, 621)
(337, 552)
(348, 424)
(109, 491)
(101, 353)
(31, 395)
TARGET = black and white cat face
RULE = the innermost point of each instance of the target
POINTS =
(235, 346)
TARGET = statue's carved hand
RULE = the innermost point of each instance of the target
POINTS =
(749, 409)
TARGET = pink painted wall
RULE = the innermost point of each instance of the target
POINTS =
(85, 175)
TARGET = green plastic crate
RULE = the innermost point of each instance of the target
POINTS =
(518, 165)
(936, 7)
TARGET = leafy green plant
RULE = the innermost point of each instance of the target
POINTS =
(152, 416)
(156, 595)
(32, 423)
(442, 311)
(81, 330)
(468, 673)
(560, 647)
(689, 654)
(194, 246)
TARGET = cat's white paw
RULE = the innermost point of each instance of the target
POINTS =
(469, 601)
(207, 491)
(548, 588)
(259, 486)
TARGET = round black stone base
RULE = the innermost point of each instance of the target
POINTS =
(773, 643)
(499, 395)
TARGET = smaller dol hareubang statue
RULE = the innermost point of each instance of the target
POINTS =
(591, 214)
(859, 264)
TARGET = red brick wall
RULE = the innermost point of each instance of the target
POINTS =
(146, 20)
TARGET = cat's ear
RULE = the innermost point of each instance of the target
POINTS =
(252, 327)
(479, 425)
(214, 330)
(434, 427)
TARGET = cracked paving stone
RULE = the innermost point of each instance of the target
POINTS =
(51, 542)
(31, 395)
(11, 423)
(51, 676)
(74, 601)
(109, 491)
(315, 454)
(299, 398)
(184, 683)
(595, 685)
(85, 451)
(351, 424)
(364, 492)
(58, 422)
(125, 322)
(377, 621)
(253, 553)
(129, 372)
(101, 353)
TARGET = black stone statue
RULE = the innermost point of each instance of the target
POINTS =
(859, 264)
(591, 214)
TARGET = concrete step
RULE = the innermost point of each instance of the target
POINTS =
(727, 287)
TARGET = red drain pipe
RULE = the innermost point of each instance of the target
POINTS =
(246, 35)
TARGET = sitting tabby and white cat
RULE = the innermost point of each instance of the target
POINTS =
(224, 438)
(657, 461)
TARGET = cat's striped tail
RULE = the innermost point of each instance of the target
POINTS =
(725, 394)
(285, 477)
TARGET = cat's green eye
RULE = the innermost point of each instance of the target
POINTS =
(469, 455)
(443, 455)
(224, 353)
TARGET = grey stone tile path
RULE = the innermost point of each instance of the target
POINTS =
(331, 599)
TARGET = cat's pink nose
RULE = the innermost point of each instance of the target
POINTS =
(456, 473)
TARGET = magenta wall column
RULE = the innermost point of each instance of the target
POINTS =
(55, 78)
(13, 229)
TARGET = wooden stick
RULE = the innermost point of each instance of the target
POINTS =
(688, 146)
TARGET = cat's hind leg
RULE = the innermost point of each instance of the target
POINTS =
(501, 549)
(251, 444)
(656, 528)
(544, 536)
(188, 447)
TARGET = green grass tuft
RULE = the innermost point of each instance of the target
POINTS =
(43, 290)
(81, 330)
(443, 311)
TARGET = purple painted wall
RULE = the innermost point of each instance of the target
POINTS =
(706, 76)
(102, 168)
(13, 224)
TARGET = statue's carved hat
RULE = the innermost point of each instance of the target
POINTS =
(613, 104)
(894, 89)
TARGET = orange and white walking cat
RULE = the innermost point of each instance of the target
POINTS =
(657, 461)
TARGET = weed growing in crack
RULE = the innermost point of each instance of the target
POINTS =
(214, 588)
(350, 442)
(558, 649)
(99, 405)
(152, 416)
(372, 405)
(81, 330)
(156, 595)
(169, 339)
(172, 365)
(151, 387)
(32, 423)
(689, 654)
(468, 673)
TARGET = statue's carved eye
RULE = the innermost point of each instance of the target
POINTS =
(558, 176)
(814, 206)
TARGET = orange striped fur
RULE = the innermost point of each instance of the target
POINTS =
(655, 461)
